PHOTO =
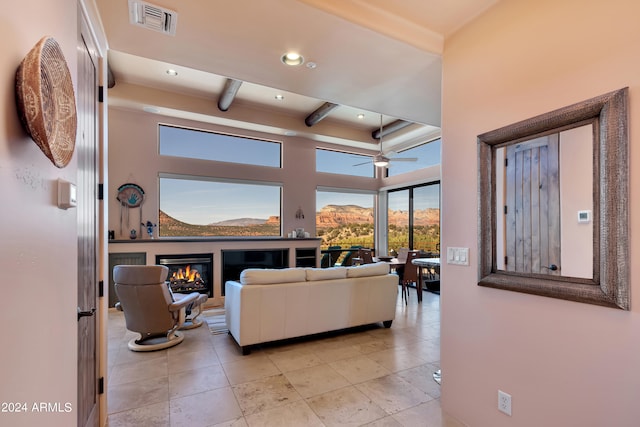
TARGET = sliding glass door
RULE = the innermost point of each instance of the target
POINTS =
(414, 218)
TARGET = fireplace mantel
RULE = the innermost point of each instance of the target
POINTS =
(215, 239)
(300, 251)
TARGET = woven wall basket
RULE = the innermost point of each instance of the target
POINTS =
(46, 101)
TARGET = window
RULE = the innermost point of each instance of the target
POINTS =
(398, 219)
(414, 218)
(345, 218)
(428, 154)
(195, 206)
(344, 163)
(199, 144)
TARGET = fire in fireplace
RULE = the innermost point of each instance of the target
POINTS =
(189, 278)
(189, 273)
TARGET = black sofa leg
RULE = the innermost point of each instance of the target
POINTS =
(246, 350)
(387, 323)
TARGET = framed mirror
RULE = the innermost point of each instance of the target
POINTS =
(553, 204)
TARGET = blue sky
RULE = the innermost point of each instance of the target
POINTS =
(336, 162)
(427, 154)
(205, 202)
(424, 197)
(212, 146)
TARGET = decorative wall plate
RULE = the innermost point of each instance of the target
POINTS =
(130, 195)
(46, 101)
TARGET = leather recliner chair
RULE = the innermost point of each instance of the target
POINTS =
(148, 306)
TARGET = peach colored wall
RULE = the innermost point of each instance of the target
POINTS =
(133, 157)
(38, 241)
(576, 194)
(564, 363)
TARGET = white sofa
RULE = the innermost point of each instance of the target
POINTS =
(274, 304)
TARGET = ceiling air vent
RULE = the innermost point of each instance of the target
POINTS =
(153, 17)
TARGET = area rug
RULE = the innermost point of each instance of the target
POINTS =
(216, 320)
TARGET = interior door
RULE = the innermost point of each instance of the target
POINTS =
(86, 149)
(532, 206)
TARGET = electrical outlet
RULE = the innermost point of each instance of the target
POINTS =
(504, 402)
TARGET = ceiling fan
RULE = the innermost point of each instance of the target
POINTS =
(382, 160)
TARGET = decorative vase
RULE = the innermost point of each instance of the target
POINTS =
(150, 226)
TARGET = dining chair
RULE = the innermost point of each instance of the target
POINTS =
(330, 257)
(348, 257)
(410, 276)
(365, 255)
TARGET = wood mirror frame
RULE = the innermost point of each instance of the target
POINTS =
(609, 285)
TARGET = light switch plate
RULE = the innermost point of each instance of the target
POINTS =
(458, 256)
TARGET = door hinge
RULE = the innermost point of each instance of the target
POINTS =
(100, 93)
(505, 209)
(101, 385)
(101, 288)
(505, 260)
(100, 191)
(506, 162)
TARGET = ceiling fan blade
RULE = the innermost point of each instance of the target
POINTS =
(363, 163)
(403, 159)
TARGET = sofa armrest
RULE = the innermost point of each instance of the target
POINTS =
(232, 306)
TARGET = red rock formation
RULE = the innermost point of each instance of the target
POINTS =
(336, 216)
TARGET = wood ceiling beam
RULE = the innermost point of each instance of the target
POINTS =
(228, 94)
(390, 128)
(320, 113)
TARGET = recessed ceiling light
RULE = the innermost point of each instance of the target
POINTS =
(279, 97)
(292, 58)
(361, 116)
(172, 72)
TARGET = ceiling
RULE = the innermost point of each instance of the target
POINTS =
(372, 57)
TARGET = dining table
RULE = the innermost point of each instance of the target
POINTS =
(392, 261)
(430, 263)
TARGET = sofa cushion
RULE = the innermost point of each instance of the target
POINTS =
(326, 273)
(376, 269)
(266, 276)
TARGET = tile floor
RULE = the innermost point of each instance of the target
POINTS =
(373, 376)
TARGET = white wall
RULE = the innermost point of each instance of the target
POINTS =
(564, 363)
(38, 241)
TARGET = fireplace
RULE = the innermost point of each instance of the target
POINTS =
(189, 272)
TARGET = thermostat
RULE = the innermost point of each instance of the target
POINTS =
(67, 194)
(584, 217)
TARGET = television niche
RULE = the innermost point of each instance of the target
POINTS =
(234, 261)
